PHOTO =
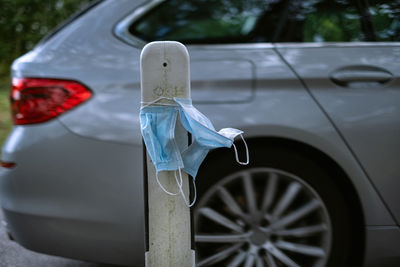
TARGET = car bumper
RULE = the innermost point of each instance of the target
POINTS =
(73, 196)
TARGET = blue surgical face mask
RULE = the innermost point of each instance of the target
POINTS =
(158, 128)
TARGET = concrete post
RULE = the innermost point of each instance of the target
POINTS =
(165, 73)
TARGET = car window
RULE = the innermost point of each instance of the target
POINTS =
(236, 21)
(200, 21)
(385, 17)
(319, 21)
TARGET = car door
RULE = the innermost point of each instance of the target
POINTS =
(213, 77)
(356, 83)
(223, 69)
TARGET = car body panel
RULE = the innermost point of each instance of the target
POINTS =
(79, 190)
(226, 78)
(299, 123)
(359, 107)
(382, 246)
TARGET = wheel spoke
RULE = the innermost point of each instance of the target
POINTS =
(303, 231)
(220, 219)
(251, 256)
(238, 259)
(270, 192)
(270, 260)
(250, 194)
(301, 249)
(296, 215)
(231, 203)
(222, 238)
(280, 255)
(219, 256)
(249, 261)
(259, 262)
(291, 192)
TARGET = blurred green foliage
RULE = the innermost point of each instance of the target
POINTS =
(5, 118)
(24, 22)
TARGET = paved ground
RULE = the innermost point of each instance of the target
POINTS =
(13, 255)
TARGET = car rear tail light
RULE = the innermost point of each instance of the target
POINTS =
(35, 100)
(7, 165)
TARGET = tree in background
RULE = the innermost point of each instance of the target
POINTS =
(24, 22)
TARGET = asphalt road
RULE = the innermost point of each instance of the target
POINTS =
(14, 255)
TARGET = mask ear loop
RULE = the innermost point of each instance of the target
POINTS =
(163, 188)
(146, 104)
(180, 185)
(236, 153)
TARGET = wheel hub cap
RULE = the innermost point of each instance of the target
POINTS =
(258, 237)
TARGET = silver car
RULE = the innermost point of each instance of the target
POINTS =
(314, 85)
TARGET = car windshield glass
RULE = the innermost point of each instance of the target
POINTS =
(318, 21)
(385, 16)
(229, 21)
(201, 21)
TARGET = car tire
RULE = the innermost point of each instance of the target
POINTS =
(282, 209)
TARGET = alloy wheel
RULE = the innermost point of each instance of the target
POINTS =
(262, 217)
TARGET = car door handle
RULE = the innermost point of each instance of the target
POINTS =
(361, 76)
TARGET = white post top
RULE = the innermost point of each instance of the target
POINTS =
(165, 71)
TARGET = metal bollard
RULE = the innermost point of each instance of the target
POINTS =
(165, 73)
